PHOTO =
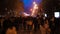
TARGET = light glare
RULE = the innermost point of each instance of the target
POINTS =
(56, 14)
(45, 15)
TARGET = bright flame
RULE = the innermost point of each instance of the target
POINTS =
(33, 12)
(34, 9)
(35, 5)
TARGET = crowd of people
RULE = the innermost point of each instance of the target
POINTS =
(46, 26)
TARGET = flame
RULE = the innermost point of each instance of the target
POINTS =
(34, 8)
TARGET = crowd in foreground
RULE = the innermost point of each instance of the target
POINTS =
(11, 25)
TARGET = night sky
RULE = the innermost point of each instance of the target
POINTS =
(28, 4)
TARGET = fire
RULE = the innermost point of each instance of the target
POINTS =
(35, 7)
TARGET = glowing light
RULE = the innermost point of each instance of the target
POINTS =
(45, 15)
(33, 13)
(29, 3)
(34, 3)
(25, 14)
(35, 7)
(30, 9)
(56, 14)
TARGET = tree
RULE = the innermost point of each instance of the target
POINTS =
(15, 5)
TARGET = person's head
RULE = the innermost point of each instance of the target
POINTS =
(42, 22)
(46, 21)
(12, 27)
